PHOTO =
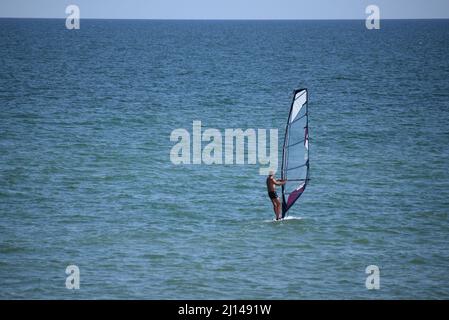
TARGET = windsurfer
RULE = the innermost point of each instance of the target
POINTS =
(271, 186)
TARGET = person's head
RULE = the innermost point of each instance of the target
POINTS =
(271, 173)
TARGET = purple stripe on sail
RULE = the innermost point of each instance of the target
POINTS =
(294, 195)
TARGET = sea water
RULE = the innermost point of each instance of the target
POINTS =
(86, 177)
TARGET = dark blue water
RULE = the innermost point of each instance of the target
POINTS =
(86, 176)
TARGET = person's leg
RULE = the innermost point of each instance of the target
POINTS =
(278, 209)
(275, 209)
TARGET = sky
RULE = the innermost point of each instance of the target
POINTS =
(226, 9)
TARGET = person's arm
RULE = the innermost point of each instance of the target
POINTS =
(280, 182)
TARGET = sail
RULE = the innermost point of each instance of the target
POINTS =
(295, 152)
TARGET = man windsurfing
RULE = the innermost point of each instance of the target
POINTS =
(271, 186)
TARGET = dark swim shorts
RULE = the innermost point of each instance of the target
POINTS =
(272, 194)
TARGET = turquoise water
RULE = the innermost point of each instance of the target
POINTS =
(86, 176)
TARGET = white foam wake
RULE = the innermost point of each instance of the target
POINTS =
(285, 219)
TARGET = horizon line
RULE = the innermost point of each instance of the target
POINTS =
(227, 19)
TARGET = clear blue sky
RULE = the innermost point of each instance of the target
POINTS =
(226, 9)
